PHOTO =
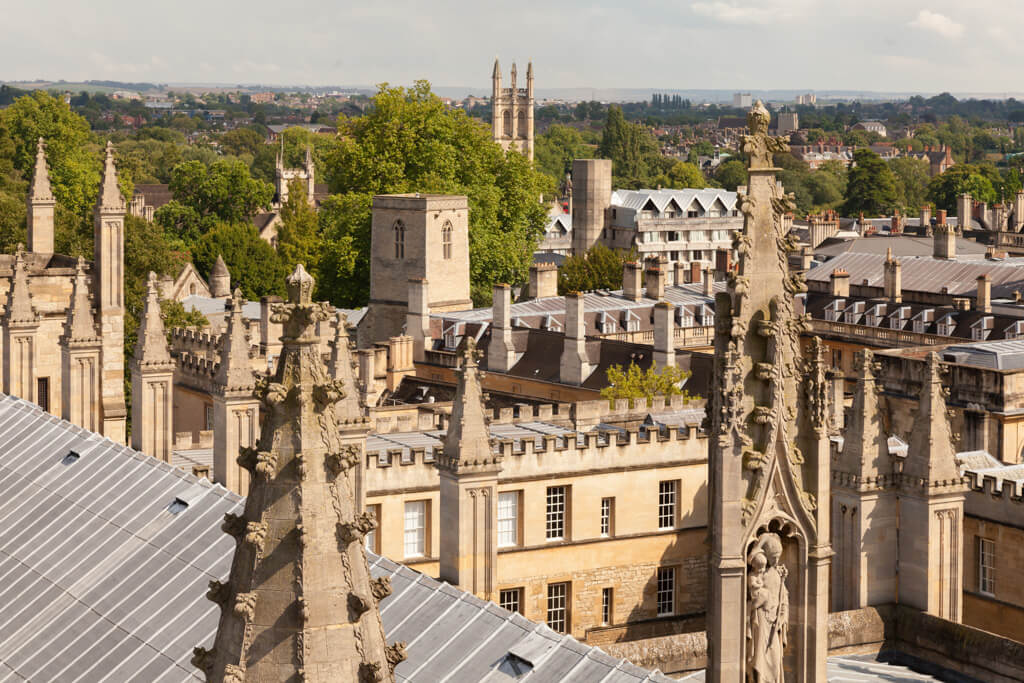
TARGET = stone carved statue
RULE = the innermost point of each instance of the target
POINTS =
(767, 610)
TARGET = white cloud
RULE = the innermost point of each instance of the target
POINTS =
(733, 14)
(937, 23)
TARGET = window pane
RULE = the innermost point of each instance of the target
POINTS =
(415, 528)
(555, 518)
(986, 566)
(606, 516)
(666, 505)
(508, 519)
(666, 590)
(606, 606)
(556, 617)
(509, 599)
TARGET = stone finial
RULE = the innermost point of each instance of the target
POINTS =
(468, 439)
(931, 456)
(341, 368)
(41, 190)
(110, 198)
(235, 370)
(865, 447)
(151, 345)
(80, 324)
(19, 300)
(298, 452)
(220, 279)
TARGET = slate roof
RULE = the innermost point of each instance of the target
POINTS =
(901, 245)
(997, 355)
(156, 194)
(637, 199)
(106, 553)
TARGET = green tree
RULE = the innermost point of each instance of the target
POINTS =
(253, 264)
(632, 148)
(683, 175)
(241, 141)
(298, 236)
(344, 276)
(599, 268)
(634, 383)
(731, 174)
(944, 188)
(912, 177)
(555, 149)
(871, 186)
(410, 142)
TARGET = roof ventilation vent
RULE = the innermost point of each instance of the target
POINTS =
(70, 459)
(177, 506)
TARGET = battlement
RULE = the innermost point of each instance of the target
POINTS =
(195, 342)
(994, 497)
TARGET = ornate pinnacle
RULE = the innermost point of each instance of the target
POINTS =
(41, 190)
(19, 301)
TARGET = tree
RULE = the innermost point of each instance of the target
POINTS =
(344, 276)
(253, 264)
(731, 174)
(241, 141)
(298, 237)
(555, 149)
(912, 177)
(632, 149)
(634, 383)
(871, 187)
(410, 142)
(944, 188)
(599, 268)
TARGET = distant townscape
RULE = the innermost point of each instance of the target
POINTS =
(376, 385)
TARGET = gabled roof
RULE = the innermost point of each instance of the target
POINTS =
(637, 199)
(107, 554)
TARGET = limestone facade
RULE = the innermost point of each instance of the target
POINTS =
(512, 112)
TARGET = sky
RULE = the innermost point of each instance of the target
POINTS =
(877, 45)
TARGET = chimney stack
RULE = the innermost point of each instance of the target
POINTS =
(655, 281)
(926, 220)
(664, 342)
(709, 283)
(806, 258)
(944, 239)
(574, 367)
(893, 279)
(984, 298)
(840, 283)
(417, 318)
(631, 276)
(501, 354)
(543, 280)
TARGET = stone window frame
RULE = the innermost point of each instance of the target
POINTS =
(511, 599)
(446, 240)
(607, 518)
(509, 524)
(399, 230)
(557, 613)
(556, 507)
(420, 533)
(665, 592)
(668, 504)
(607, 605)
(986, 566)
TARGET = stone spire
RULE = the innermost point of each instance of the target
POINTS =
(151, 345)
(769, 454)
(220, 279)
(235, 369)
(40, 190)
(300, 604)
(342, 368)
(468, 440)
(110, 193)
(80, 324)
(865, 447)
(496, 73)
(19, 300)
(931, 456)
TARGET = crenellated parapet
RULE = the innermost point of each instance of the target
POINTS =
(194, 342)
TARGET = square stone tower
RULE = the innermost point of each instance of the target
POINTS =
(512, 112)
(421, 237)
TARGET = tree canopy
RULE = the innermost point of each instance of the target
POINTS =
(634, 383)
(944, 188)
(871, 186)
(599, 268)
(252, 262)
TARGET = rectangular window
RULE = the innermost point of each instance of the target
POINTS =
(558, 607)
(607, 512)
(606, 606)
(666, 591)
(555, 514)
(511, 599)
(415, 537)
(667, 504)
(986, 566)
(508, 519)
(209, 416)
(43, 393)
(372, 537)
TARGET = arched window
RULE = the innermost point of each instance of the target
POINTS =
(521, 128)
(446, 240)
(506, 117)
(192, 288)
(399, 240)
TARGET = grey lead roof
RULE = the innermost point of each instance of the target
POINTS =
(106, 555)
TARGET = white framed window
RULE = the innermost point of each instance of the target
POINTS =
(511, 599)
(666, 597)
(667, 504)
(555, 513)
(558, 607)
(508, 519)
(986, 566)
(606, 606)
(415, 537)
(372, 537)
(607, 513)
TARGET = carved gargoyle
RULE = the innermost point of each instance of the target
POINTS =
(358, 604)
(395, 654)
(344, 460)
(370, 672)
(233, 525)
(245, 606)
(247, 458)
(381, 587)
(356, 530)
(270, 393)
(328, 393)
(256, 534)
(202, 659)
(218, 593)
(234, 674)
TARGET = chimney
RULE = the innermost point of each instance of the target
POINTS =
(501, 354)
(840, 283)
(664, 333)
(367, 377)
(926, 220)
(709, 283)
(944, 239)
(893, 279)
(574, 366)
(1018, 212)
(806, 258)
(654, 282)
(631, 281)
(400, 360)
(680, 272)
(417, 318)
(964, 209)
(983, 302)
(543, 280)
(896, 224)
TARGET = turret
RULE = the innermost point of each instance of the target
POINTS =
(220, 279)
(529, 80)
(41, 206)
(152, 382)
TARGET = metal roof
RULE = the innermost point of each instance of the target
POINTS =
(901, 245)
(859, 669)
(997, 355)
(637, 199)
(106, 555)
